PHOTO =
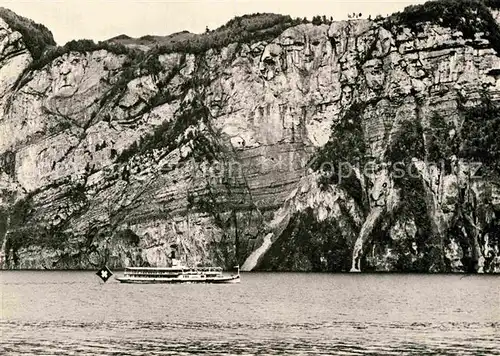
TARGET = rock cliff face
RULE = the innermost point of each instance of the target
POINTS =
(277, 155)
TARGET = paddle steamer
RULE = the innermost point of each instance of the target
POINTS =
(177, 274)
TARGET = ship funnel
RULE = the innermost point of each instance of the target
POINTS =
(174, 250)
(173, 256)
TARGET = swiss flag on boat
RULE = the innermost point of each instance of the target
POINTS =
(104, 273)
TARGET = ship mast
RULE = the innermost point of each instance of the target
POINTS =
(187, 215)
(236, 238)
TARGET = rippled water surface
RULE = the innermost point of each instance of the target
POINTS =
(60, 313)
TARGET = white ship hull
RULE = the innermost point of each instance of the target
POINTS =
(177, 274)
(148, 280)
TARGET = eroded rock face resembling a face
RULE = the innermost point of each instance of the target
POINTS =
(374, 73)
(379, 188)
(272, 61)
(384, 43)
(9, 41)
(67, 72)
(305, 47)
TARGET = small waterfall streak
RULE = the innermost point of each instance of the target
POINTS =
(366, 230)
(253, 259)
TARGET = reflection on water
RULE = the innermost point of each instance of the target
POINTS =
(51, 313)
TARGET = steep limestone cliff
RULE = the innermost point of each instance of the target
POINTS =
(282, 153)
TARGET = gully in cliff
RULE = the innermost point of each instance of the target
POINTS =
(177, 274)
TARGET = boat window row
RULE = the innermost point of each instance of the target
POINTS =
(150, 273)
(172, 270)
(134, 275)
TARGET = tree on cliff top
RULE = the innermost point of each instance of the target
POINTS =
(241, 29)
(36, 37)
(468, 16)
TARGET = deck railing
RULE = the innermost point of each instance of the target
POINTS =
(152, 270)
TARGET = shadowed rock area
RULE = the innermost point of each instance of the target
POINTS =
(271, 143)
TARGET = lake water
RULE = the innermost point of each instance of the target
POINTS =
(63, 313)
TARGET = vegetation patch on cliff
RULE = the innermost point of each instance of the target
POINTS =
(36, 37)
(441, 141)
(347, 141)
(468, 16)
(480, 132)
(406, 145)
(18, 228)
(309, 245)
(345, 149)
